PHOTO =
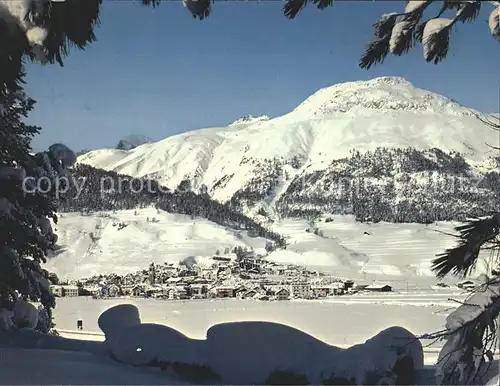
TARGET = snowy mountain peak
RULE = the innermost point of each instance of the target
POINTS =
(249, 119)
(266, 155)
(385, 94)
(132, 141)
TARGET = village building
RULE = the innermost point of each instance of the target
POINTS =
(198, 291)
(69, 291)
(222, 271)
(290, 272)
(300, 290)
(360, 287)
(56, 290)
(175, 280)
(127, 289)
(248, 263)
(282, 294)
(225, 292)
(274, 269)
(223, 259)
(138, 290)
(177, 293)
(250, 294)
(155, 291)
(378, 287)
(91, 291)
(348, 285)
(240, 291)
(208, 274)
(201, 280)
(321, 291)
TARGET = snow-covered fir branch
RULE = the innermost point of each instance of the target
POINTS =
(471, 336)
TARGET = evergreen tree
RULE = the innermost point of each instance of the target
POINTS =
(472, 330)
(29, 192)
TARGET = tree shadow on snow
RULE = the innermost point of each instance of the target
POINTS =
(260, 353)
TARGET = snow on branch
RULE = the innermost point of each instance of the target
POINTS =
(45, 29)
(397, 33)
(473, 236)
(436, 39)
(18, 12)
(471, 336)
(200, 9)
(494, 22)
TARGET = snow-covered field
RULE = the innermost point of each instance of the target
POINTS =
(396, 253)
(93, 245)
(341, 321)
(51, 367)
(399, 253)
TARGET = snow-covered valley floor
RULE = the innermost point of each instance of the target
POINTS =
(341, 321)
(51, 367)
(399, 253)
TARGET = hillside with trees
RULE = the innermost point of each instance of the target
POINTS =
(107, 191)
(395, 185)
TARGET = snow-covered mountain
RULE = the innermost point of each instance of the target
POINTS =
(265, 162)
(249, 119)
(132, 141)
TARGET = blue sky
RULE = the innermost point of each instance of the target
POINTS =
(159, 72)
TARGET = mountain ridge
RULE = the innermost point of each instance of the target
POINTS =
(262, 157)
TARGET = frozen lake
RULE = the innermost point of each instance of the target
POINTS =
(339, 320)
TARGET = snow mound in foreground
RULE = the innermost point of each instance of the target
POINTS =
(20, 366)
(258, 352)
(25, 314)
